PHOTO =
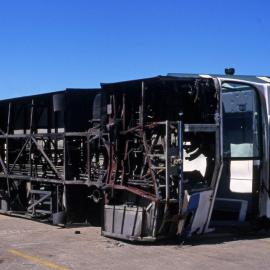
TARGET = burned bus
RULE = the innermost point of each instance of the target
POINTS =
(188, 152)
(148, 159)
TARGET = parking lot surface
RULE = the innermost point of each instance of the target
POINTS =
(26, 244)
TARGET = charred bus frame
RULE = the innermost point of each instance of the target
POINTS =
(228, 184)
(47, 142)
(172, 155)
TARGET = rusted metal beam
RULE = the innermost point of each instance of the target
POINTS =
(133, 190)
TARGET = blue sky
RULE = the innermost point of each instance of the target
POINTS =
(48, 45)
